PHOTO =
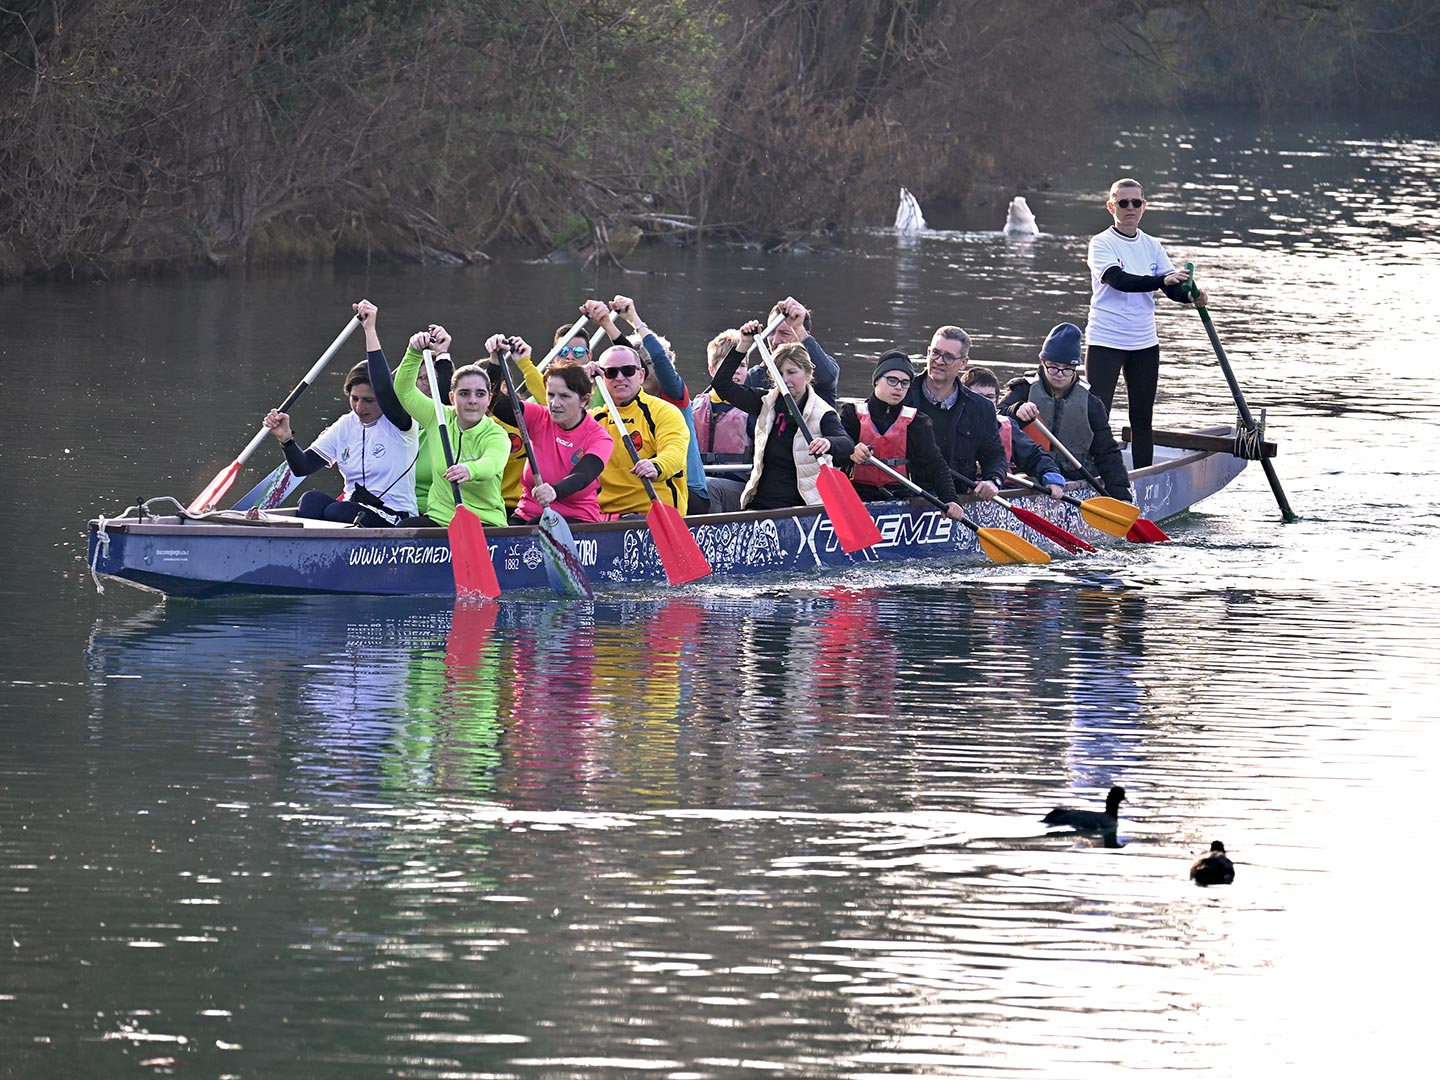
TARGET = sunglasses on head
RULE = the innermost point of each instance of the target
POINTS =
(1126, 204)
(573, 352)
(625, 371)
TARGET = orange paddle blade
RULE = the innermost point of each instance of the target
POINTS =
(1109, 515)
(1004, 546)
(683, 559)
(470, 556)
(217, 489)
(853, 525)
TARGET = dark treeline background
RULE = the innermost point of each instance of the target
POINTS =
(151, 134)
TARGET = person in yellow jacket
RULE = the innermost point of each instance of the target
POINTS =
(476, 441)
(657, 431)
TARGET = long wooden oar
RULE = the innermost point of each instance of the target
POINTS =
(469, 550)
(1102, 512)
(557, 546)
(216, 489)
(1142, 531)
(1002, 545)
(853, 525)
(1048, 529)
(1286, 514)
(680, 554)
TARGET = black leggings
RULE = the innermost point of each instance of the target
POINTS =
(1103, 366)
(321, 507)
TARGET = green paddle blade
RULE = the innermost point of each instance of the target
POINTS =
(562, 561)
(470, 556)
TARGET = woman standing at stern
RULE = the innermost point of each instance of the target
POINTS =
(1126, 267)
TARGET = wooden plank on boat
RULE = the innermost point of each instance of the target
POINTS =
(1190, 440)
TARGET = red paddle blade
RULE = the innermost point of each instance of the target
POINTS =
(470, 556)
(1146, 532)
(853, 525)
(683, 559)
(470, 627)
(217, 489)
(1048, 529)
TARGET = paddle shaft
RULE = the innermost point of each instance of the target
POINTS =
(1033, 486)
(1246, 418)
(511, 371)
(440, 424)
(1075, 463)
(929, 496)
(212, 494)
(615, 416)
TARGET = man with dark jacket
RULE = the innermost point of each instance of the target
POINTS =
(964, 422)
(1076, 417)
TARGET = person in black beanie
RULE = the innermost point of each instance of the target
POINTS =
(886, 429)
(1073, 415)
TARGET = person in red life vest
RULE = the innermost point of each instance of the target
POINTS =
(1074, 415)
(886, 429)
(721, 430)
(1024, 452)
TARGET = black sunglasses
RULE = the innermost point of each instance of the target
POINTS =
(1126, 204)
(626, 372)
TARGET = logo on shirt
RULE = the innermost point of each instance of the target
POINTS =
(379, 450)
(636, 441)
(515, 443)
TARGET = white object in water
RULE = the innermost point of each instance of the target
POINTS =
(908, 218)
(1020, 221)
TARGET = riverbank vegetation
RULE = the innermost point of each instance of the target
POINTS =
(172, 134)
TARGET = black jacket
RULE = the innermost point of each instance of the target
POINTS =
(924, 464)
(966, 433)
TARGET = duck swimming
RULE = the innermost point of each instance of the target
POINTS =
(1214, 868)
(1093, 821)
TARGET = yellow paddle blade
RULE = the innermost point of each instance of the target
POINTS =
(1109, 515)
(1004, 546)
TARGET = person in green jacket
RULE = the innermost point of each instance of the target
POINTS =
(477, 442)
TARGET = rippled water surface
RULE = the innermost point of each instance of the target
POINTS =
(733, 830)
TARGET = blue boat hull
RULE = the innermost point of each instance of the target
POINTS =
(205, 559)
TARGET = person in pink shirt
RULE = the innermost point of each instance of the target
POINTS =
(571, 449)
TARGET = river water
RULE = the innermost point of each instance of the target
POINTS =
(786, 829)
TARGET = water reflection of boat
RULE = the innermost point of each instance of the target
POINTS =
(281, 555)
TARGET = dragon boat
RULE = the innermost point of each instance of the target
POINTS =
(230, 553)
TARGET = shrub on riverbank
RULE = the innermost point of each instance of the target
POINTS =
(171, 134)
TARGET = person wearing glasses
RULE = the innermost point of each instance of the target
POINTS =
(663, 380)
(965, 428)
(479, 446)
(1024, 452)
(885, 429)
(374, 445)
(1073, 414)
(576, 350)
(785, 469)
(658, 433)
(1127, 266)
